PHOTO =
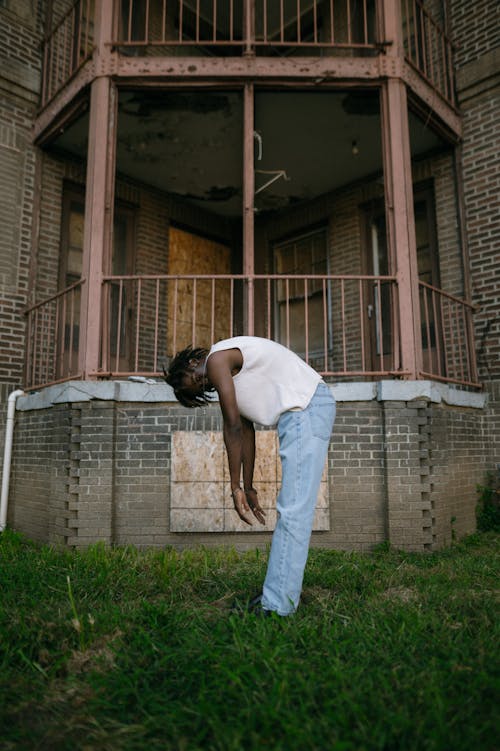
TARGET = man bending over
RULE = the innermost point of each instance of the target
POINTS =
(260, 381)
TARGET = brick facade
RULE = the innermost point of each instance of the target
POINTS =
(399, 469)
(403, 470)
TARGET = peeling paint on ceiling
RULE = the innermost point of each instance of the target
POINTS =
(191, 143)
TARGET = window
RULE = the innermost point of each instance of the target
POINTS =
(71, 271)
(379, 307)
(302, 305)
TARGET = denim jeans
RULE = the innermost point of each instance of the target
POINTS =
(303, 437)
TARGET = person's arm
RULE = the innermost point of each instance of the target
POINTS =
(248, 465)
(219, 369)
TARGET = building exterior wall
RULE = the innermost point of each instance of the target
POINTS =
(401, 468)
(477, 63)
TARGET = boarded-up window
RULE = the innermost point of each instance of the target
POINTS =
(199, 311)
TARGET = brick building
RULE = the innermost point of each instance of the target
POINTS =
(322, 172)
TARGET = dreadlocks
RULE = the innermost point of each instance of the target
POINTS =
(178, 368)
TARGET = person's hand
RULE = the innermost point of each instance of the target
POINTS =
(241, 505)
(255, 507)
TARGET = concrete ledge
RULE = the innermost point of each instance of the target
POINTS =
(431, 391)
(86, 391)
(354, 392)
(150, 391)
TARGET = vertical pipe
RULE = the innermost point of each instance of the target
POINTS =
(7, 455)
(248, 203)
(349, 21)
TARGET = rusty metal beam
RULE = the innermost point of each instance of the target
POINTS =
(400, 220)
(99, 201)
(99, 196)
(249, 68)
(61, 109)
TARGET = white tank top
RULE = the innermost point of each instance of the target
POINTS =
(272, 379)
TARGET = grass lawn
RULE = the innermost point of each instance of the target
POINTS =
(120, 649)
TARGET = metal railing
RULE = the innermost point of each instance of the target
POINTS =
(243, 25)
(428, 48)
(327, 319)
(236, 27)
(67, 47)
(447, 337)
(345, 326)
(52, 338)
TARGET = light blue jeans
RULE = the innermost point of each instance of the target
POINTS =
(304, 437)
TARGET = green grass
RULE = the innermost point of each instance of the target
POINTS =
(120, 649)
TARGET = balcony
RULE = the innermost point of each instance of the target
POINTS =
(345, 326)
(229, 29)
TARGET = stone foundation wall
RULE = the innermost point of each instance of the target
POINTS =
(123, 463)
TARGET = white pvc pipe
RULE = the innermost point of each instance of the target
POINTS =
(7, 455)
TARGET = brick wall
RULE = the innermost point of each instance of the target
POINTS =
(20, 33)
(477, 60)
(474, 29)
(403, 471)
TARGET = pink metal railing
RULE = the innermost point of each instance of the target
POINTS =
(67, 47)
(447, 337)
(428, 48)
(327, 319)
(53, 334)
(342, 325)
(244, 24)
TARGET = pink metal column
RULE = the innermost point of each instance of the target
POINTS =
(400, 216)
(248, 205)
(99, 198)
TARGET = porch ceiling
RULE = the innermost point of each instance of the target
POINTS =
(190, 143)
